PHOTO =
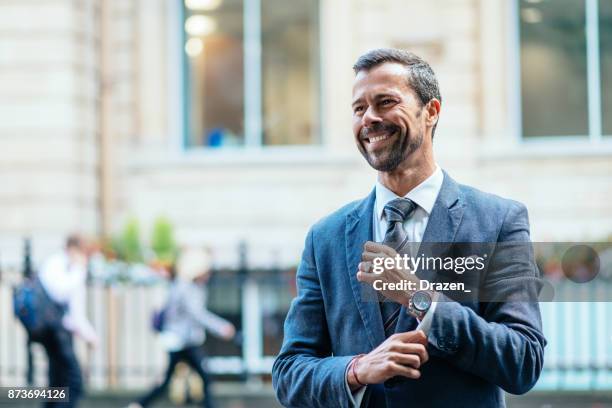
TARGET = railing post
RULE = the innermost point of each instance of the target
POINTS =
(27, 274)
(251, 318)
(27, 258)
(242, 277)
(111, 337)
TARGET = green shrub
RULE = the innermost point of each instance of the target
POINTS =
(162, 241)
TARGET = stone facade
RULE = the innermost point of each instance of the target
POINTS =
(91, 111)
(49, 126)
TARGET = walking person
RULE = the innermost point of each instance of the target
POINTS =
(185, 321)
(63, 277)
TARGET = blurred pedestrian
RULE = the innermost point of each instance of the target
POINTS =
(185, 320)
(63, 276)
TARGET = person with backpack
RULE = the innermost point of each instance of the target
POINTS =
(63, 277)
(183, 322)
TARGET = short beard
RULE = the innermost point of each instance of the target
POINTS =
(399, 151)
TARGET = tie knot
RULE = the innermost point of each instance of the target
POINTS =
(399, 209)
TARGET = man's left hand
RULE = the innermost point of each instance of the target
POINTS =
(396, 274)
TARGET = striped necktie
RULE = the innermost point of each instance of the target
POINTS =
(396, 212)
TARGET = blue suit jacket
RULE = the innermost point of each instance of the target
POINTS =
(476, 349)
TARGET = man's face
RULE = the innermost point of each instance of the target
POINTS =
(387, 116)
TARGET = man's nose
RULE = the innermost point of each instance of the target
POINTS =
(370, 117)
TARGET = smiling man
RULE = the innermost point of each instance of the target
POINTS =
(348, 345)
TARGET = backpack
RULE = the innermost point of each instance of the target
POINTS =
(158, 319)
(35, 309)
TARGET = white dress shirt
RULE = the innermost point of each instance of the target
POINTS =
(65, 283)
(424, 196)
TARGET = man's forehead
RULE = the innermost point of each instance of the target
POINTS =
(387, 77)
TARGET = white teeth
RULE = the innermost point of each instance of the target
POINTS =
(378, 138)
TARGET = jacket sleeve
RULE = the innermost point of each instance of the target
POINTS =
(305, 374)
(503, 343)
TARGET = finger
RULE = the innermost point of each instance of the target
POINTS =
(414, 336)
(419, 350)
(366, 277)
(370, 256)
(404, 371)
(365, 267)
(371, 246)
(389, 251)
(411, 348)
(409, 360)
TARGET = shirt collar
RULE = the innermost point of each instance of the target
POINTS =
(424, 195)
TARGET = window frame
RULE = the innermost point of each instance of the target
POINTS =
(594, 100)
(253, 87)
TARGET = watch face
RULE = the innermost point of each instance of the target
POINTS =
(421, 301)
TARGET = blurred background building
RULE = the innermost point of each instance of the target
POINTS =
(231, 119)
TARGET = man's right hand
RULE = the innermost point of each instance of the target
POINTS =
(401, 354)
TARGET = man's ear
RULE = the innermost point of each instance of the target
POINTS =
(433, 111)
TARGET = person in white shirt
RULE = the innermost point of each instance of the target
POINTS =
(63, 276)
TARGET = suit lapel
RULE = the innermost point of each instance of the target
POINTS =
(439, 235)
(358, 231)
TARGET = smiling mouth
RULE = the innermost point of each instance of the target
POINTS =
(378, 139)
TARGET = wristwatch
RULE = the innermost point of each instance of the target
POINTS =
(419, 303)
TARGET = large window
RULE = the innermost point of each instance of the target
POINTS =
(251, 72)
(566, 67)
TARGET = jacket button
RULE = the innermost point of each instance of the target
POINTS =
(442, 343)
(447, 344)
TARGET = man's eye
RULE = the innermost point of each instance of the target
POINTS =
(358, 109)
(386, 102)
